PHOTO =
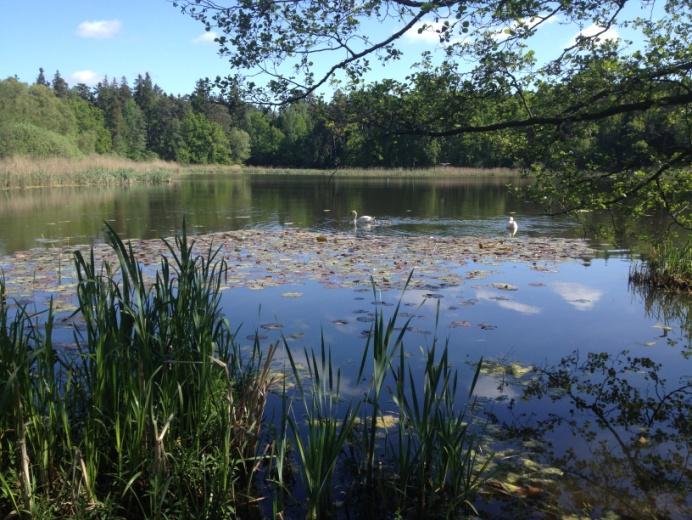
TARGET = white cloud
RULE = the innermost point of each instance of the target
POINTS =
(99, 28)
(579, 296)
(506, 303)
(206, 37)
(607, 35)
(88, 77)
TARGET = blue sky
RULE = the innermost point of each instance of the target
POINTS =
(149, 35)
(87, 39)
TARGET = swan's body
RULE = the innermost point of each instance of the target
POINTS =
(512, 226)
(363, 218)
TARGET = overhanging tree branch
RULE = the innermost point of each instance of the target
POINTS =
(638, 106)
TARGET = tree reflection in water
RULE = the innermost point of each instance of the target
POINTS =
(668, 307)
(629, 449)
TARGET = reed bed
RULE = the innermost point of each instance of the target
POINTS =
(668, 266)
(26, 172)
(157, 412)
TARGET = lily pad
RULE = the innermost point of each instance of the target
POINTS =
(460, 323)
(272, 326)
(504, 286)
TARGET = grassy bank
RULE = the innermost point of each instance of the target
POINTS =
(155, 412)
(668, 266)
(25, 172)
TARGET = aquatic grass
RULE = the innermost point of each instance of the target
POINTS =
(384, 348)
(321, 440)
(28, 172)
(158, 413)
(438, 462)
(667, 266)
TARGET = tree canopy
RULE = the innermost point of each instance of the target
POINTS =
(484, 78)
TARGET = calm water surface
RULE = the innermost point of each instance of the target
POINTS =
(583, 306)
(470, 206)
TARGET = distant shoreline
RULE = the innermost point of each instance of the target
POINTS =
(441, 171)
(105, 170)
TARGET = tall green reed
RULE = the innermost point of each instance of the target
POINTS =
(156, 414)
(321, 440)
(159, 414)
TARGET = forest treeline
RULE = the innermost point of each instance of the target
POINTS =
(140, 121)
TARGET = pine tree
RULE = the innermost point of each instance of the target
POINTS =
(144, 93)
(41, 79)
(84, 92)
(60, 85)
(124, 90)
(200, 99)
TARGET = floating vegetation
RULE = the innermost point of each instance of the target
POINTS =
(504, 286)
(272, 326)
(459, 323)
(497, 368)
(259, 259)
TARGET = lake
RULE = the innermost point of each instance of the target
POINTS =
(513, 310)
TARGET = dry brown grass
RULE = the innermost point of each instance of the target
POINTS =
(26, 172)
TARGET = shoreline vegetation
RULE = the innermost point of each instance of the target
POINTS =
(28, 172)
(156, 383)
(667, 267)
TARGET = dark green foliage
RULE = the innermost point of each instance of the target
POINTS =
(60, 85)
(41, 78)
(667, 266)
(239, 143)
(154, 414)
(133, 140)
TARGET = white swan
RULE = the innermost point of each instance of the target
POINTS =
(363, 218)
(512, 226)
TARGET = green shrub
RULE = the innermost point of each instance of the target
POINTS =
(36, 105)
(27, 139)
